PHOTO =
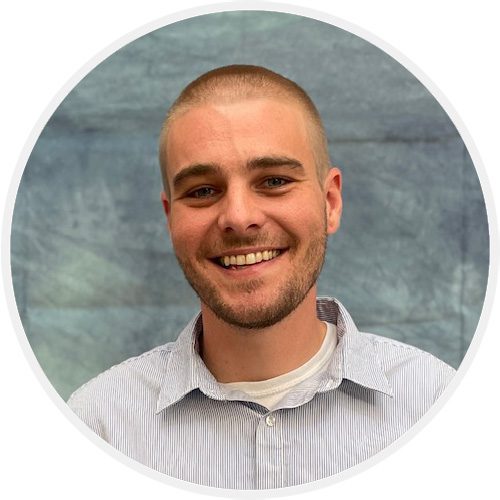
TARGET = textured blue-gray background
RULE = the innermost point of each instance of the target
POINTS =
(95, 277)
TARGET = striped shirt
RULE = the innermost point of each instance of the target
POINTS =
(167, 411)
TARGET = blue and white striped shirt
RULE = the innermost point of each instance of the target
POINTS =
(167, 411)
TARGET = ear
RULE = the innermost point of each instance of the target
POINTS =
(166, 206)
(333, 195)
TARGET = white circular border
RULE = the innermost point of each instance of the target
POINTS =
(287, 9)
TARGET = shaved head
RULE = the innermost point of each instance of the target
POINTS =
(235, 83)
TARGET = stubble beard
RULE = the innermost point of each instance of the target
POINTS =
(288, 296)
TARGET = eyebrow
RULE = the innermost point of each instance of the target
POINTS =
(195, 170)
(274, 161)
(263, 162)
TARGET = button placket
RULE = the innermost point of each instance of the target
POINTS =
(269, 451)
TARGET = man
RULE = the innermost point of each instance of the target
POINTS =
(268, 387)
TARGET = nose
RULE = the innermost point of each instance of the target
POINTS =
(240, 211)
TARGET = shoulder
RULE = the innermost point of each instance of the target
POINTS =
(137, 374)
(410, 368)
(393, 351)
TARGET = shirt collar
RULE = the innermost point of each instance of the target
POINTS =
(185, 370)
(354, 359)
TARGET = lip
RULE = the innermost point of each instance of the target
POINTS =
(251, 269)
(245, 251)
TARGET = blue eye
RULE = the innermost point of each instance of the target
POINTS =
(202, 192)
(274, 182)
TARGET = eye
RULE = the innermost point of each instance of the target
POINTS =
(202, 192)
(275, 182)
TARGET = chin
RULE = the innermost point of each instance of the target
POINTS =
(256, 316)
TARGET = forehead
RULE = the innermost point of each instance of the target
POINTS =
(232, 133)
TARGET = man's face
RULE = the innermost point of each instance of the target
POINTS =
(247, 213)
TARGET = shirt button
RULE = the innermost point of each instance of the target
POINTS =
(270, 420)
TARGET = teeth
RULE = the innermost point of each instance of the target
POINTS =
(248, 259)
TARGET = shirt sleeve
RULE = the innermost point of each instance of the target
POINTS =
(87, 411)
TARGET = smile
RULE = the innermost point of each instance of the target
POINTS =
(248, 259)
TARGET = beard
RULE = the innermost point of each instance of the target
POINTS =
(304, 272)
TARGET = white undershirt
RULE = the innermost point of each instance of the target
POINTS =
(269, 392)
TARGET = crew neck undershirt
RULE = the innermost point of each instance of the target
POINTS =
(269, 392)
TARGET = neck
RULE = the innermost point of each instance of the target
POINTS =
(234, 354)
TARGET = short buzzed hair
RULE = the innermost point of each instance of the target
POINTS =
(239, 82)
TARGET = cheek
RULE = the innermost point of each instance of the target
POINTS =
(302, 215)
(189, 233)
(182, 237)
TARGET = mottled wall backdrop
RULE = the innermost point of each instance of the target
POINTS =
(95, 277)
